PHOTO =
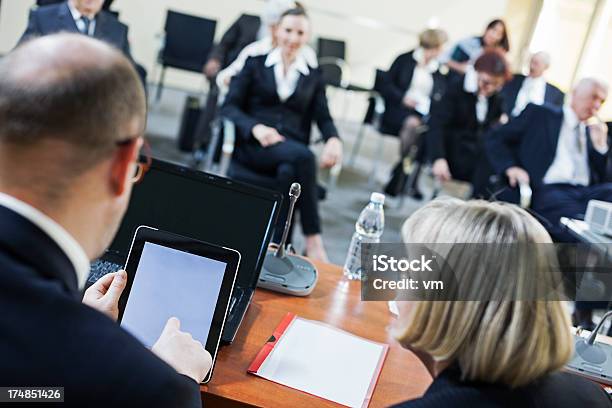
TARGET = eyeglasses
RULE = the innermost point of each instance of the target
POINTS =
(144, 160)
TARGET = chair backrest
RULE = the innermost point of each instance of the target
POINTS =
(328, 50)
(379, 79)
(188, 41)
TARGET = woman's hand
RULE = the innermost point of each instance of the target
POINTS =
(332, 153)
(266, 136)
(441, 170)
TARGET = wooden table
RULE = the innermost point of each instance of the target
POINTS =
(335, 301)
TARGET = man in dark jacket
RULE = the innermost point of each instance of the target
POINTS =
(72, 116)
(522, 90)
(81, 16)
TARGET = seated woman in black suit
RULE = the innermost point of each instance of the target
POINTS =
(412, 82)
(273, 102)
(458, 123)
(507, 345)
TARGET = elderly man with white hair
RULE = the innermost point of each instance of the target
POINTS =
(562, 153)
(533, 88)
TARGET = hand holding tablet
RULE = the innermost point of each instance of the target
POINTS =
(176, 298)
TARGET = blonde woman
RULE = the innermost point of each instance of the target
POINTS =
(492, 352)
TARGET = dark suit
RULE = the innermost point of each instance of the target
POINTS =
(253, 99)
(240, 34)
(57, 17)
(530, 141)
(552, 95)
(456, 135)
(558, 390)
(49, 338)
(394, 87)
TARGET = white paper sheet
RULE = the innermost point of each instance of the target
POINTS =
(324, 361)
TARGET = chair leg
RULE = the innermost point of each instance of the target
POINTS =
(410, 185)
(378, 155)
(357, 145)
(160, 84)
(212, 145)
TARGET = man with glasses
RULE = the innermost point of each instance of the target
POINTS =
(72, 115)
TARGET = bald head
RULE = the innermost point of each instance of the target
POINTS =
(70, 91)
(587, 97)
(538, 64)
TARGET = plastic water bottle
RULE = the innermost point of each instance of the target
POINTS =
(368, 229)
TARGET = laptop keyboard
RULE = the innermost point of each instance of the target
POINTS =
(100, 268)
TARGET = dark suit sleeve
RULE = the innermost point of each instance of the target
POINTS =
(558, 96)
(33, 28)
(502, 143)
(321, 113)
(179, 391)
(126, 44)
(227, 42)
(389, 90)
(441, 114)
(236, 99)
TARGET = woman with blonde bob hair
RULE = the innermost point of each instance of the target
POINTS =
(493, 352)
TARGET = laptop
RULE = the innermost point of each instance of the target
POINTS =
(207, 208)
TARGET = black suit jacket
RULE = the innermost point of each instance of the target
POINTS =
(454, 131)
(552, 95)
(240, 34)
(252, 99)
(394, 87)
(530, 141)
(56, 18)
(558, 390)
(49, 338)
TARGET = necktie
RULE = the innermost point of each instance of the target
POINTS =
(581, 164)
(86, 23)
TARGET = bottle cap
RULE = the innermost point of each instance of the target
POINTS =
(377, 198)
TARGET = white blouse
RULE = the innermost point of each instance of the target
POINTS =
(286, 83)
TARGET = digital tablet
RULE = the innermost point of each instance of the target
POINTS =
(171, 275)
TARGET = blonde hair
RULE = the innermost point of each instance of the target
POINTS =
(432, 38)
(496, 341)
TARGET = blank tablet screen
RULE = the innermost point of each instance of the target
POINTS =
(171, 283)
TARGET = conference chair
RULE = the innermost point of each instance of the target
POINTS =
(187, 42)
(332, 61)
(221, 149)
(372, 119)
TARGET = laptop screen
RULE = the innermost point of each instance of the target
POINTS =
(205, 207)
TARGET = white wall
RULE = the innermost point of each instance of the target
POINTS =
(367, 48)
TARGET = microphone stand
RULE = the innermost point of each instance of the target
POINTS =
(284, 272)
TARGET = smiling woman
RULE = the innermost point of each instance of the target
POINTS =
(273, 102)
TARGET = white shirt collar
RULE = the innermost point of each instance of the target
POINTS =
(569, 116)
(56, 232)
(300, 64)
(76, 14)
(419, 56)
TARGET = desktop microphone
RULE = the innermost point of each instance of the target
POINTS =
(294, 194)
(287, 273)
(588, 350)
(593, 360)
